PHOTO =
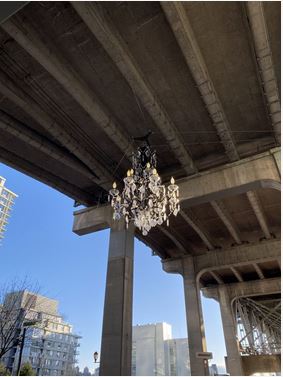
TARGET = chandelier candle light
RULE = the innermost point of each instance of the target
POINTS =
(144, 199)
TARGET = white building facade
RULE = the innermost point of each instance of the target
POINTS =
(155, 353)
(7, 198)
(49, 346)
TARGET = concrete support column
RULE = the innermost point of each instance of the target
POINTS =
(195, 324)
(234, 363)
(116, 346)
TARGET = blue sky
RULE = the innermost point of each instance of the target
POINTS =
(39, 244)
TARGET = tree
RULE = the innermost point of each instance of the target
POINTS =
(15, 304)
(26, 370)
(86, 372)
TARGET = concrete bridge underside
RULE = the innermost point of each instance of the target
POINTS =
(80, 80)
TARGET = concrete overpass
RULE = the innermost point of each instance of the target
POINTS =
(80, 80)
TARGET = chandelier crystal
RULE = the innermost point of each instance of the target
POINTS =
(144, 200)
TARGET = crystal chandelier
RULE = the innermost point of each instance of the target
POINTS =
(144, 200)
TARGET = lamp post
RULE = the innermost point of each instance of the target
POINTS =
(95, 356)
(26, 325)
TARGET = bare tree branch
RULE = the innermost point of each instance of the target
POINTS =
(17, 300)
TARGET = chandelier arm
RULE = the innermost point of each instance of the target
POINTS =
(144, 200)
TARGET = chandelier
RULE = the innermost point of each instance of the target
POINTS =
(144, 200)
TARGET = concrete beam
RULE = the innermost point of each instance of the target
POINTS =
(216, 277)
(105, 32)
(48, 178)
(231, 179)
(238, 256)
(9, 8)
(180, 24)
(227, 220)
(51, 59)
(194, 223)
(258, 271)
(235, 256)
(181, 250)
(22, 99)
(255, 12)
(246, 289)
(237, 274)
(259, 212)
(22, 132)
(235, 178)
(92, 219)
(277, 157)
(152, 243)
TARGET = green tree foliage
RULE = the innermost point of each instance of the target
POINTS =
(26, 370)
(4, 371)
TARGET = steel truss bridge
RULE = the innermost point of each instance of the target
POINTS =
(258, 325)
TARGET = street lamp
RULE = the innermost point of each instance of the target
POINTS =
(95, 356)
(26, 325)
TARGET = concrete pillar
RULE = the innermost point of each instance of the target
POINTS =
(116, 346)
(195, 324)
(234, 363)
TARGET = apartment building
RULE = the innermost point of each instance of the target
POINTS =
(49, 346)
(7, 198)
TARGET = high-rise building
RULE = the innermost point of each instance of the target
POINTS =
(177, 357)
(49, 345)
(155, 353)
(6, 202)
(213, 370)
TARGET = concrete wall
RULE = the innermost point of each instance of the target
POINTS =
(261, 364)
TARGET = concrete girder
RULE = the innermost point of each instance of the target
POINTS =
(51, 59)
(20, 131)
(216, 277)
(8, 9)
(255, 11)
(194, 223)
(181, 250)
(231, 179)
(29, 106)
(235, 256)
(150, 242)
(258, 271)
(181, 27)
(259, 212)
(237, 274)
(40, 174)
(106, 33)
(94, 219)
(227, 220)
(246, 289)
(235, 178)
